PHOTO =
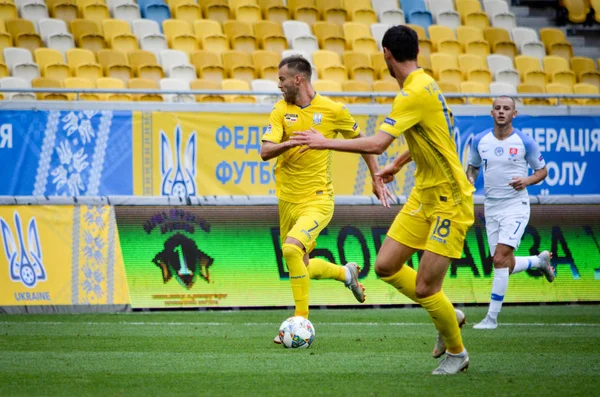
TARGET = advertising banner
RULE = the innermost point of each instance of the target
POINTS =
(60, 255)
(231, 257)
(65, 153)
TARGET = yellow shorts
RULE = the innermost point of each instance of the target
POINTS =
(304, 221)
(434, 225)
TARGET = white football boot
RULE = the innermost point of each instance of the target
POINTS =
(452, 364)
(486, 323)
(440, 345)
(357, 289)
(545, 266)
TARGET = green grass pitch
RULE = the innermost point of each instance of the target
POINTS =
(537, 351)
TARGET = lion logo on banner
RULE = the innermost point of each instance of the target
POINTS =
(24, 262)
(178, 179)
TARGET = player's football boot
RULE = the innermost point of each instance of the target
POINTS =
(546, 267)
(277, 340)
(357, 289)
(486, 323)
(452, 364)
(440, 345)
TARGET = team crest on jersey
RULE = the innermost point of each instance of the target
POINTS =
(290, 118)
(317, 118)
(513, 151)
(499, 151)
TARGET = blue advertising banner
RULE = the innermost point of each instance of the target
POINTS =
(570, 145)
(65, 153)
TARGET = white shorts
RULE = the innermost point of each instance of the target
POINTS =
(506, 229)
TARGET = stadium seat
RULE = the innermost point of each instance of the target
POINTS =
(295, 29)
(329, 66)
(469, 87)
(358, 38)
(237, 85)
(525, 88)
(24, 34)
(449, 18)
(439, 34)
(208, 65)
(112, 83)
(34, 10)
(500, 42)
(444, 13)
(118, 35)
(79, 56)
(65, 10)
(323, 86)
(378, 31)
(425, 46)
(49, 27)
(238, 65)
(499, 88)
(424, 61)
(245, 11)
(526, 64)
(115, 64)
(274, 10)
(145, 84)
(554, 64)
(451, 88)
(266, 85)
(211, 36)
(332, 11)
(266, 64)
(270, 36)
(52, 64)
(356, 86)
(303, 10)
(555, 40)
(241, 36)
(330, 36)
(177, 66)
(467, 34)
(20, 63)
(217, 11)
(80, 83)
(522, 36)
(16, 83)
(180, 35)
(385, 86)
(577, 10)
(587, 89)
(388, 12)
(44, 82)
(157, 12)
(474, 68)
(359, 66)
(95, 12)
(201, 84)
(421, 18)
(582, 64)
(145, 27)
(448, 64)
(495, 7)
(360, 11)
(381, 69)
(87, 35)
(127, 11)
(502, 67)
(560, 89)
(145, 66)
(471, 13)
(566, 77)
(8, 11)
(176, 85)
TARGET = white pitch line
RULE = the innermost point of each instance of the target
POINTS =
(221, 324)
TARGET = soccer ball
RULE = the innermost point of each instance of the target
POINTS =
(297, 333)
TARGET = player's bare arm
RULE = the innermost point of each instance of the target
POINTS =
(388, 173)
(519, 183)
(376, 144)
(270, 150)
(379, 189)
(472, 173)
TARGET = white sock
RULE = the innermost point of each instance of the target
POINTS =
(348, 276)
(499, 286)
(526, 262)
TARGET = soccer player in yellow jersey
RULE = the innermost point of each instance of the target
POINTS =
(304, 185)
(439, 210)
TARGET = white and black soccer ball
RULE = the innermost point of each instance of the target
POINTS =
(297, 333)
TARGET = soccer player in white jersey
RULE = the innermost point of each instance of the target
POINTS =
(505, 153)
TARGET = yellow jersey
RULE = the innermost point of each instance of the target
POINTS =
(420, 113)
(301, 177)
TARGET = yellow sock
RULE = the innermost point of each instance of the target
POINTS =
(293, 256)
(321, 269)
(443, 316)
(405, 281)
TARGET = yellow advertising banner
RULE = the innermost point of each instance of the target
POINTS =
(187, 154)
(60, 255)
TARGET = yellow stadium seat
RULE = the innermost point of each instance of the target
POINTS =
(477, 20)
(577, 10)
(5, 40)
(322, 86)
(440, 33)
(560, 89)
(590, 77)
(145, 66)
(329, 65)
(526, 64)
(188, 12)
(469, 7)
(332, 11)
(582, 64)
(44, 82)
(425, 45)
(238, 65)
(180, 35)
(555, 42)
(215, 10)
(115, 64)
(240, 35)
(270, 36)
(107, 83)
(81, 83)
(87, 35)
(65, 10)
(554, 64)
(440, 61)
(52, 64)
(596, 6)
(469, 62)
(237, 85)
(201, 84)
(479, 48)
(451, 88)
(358, 38)
(79, 56)
(536, 77)
(385, 86)
(566, 77)
(8, 11)
(451, 47)
(117, 33)
(248, 13)
(564, 50)
(266, 64)
(145, 84)
(3, 70)
(359, 66)
(357, 86)
(208, 65)
(96, 12)
(482, 76)
(330, 36)
(24, 34)
(525, 88)
(466, 34)
(303, 10)
(587, 89)
(500, 42)
(424, 61)
(380, 67)
(210, 34)
(360, 11)
(274, 10)
(469, 87)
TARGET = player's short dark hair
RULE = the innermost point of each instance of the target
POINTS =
(509, 97)
(298, 63)
(402, 42)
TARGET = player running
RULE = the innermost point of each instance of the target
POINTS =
(304, 185)
(439, 210)
(505, 153)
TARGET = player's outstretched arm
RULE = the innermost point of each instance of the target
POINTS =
(389, 171)
(379, 189)
(271, 150)
(375, 144)
(472, 173)
(519, 183)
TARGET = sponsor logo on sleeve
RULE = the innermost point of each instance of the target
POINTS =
(389, 121)
(355, 127)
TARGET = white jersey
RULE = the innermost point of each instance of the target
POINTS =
(502, 161)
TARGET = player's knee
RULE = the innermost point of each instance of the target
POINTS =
(423, 290)
(501, 259)
(382, 269)
(290, 251)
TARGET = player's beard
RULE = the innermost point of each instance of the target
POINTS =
(290, 94)
(391, 70)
